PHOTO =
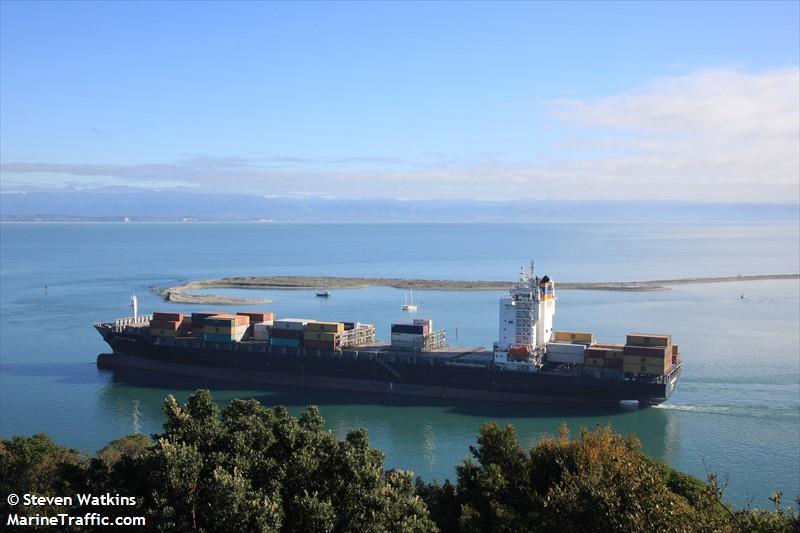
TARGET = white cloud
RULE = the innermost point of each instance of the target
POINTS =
(719, 134)
(711, 135)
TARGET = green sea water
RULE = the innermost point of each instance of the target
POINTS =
(736, 411)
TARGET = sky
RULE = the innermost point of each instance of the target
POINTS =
(695, 101)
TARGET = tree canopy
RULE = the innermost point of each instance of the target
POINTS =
(252, 468)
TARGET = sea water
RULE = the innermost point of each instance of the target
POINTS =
(736, 411)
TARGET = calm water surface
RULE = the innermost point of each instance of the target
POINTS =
(736, 412)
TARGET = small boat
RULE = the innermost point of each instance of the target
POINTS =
(409, 304)
(743, 297)
(323, 294)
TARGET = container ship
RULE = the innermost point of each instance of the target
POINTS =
(530, 362)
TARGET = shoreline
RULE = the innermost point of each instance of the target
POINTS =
(180, 294)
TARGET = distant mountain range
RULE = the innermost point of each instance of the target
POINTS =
(176, 206)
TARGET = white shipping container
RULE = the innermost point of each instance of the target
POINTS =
(291, 323)
(564, 352)
(566, 348)
(560, 357)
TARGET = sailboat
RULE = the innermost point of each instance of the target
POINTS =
(410, 305)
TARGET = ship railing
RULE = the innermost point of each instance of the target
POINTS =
(436, 339)
(360, 336)
(121, 323)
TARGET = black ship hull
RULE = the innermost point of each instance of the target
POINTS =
(371, 371)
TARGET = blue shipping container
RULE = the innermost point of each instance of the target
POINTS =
(216, 337)
(288, 343)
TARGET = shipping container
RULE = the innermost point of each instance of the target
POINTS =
(321, 336)
(594, 361)
(261, 316)
(605, 353)
(168, 317)
(653, 365)
(291, 323)
(226, 320)
(565, 353)
(280, 333)
(408, 328)
(653, 370)
(226, 330)
(565, 347)
(165, 324)
(423, 322)
(212, 337)
(198, 318)
(426, 323)
(660, 352)
(286, 343)
(328, 327)
(410, 337)
(573, 337)
(675, 350)
(648, 339)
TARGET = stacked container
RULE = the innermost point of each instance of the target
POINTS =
(198, 320)
(574, 337)
(646, 353)
(261, 331)
(261, 316)
(168, 325)
(225, 328)
(323, 336)
(409, 336)
(426, 323)
(288, 332)
(604, 355)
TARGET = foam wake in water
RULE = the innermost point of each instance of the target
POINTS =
(760, 411)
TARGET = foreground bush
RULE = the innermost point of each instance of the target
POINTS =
(252, 468)
(599, 481)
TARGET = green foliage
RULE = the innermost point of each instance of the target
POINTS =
(36, 465)
(599, 481)
(251, 468)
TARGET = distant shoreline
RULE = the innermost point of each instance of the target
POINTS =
(181, 294)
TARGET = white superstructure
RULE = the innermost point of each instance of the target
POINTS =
(526, 320)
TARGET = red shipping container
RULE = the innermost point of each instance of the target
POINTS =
(168, 317)
(660, 352)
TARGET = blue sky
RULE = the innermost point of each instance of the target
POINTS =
(411, 100)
